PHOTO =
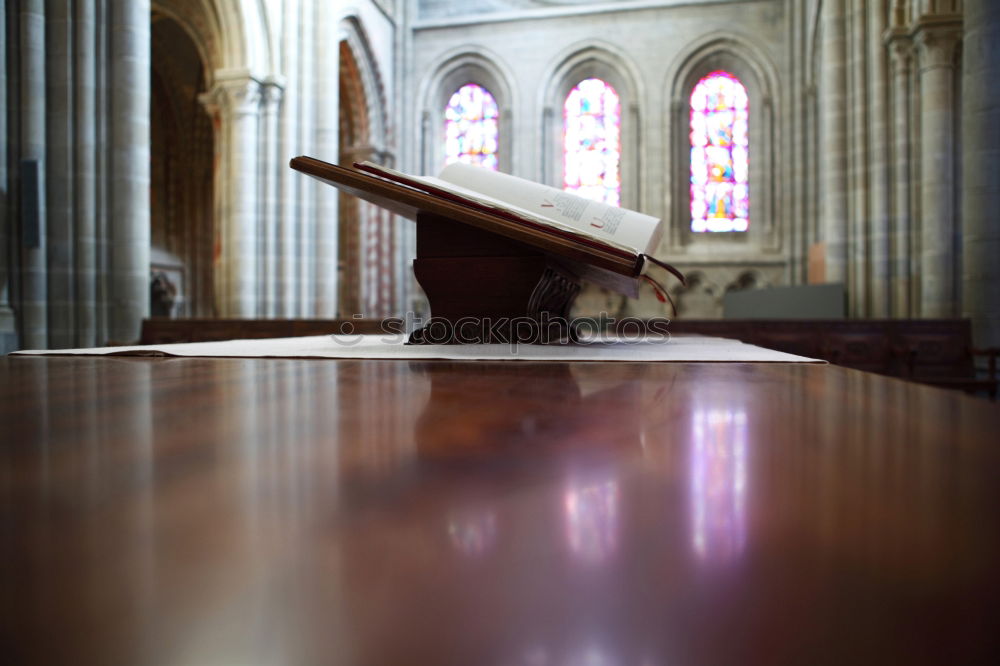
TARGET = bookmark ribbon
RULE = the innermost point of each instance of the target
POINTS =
(661, 292)
(670, 269)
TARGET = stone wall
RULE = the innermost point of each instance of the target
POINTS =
(76, 94)
(857, 110)
(529, 56)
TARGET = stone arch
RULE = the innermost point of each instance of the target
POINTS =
(610, 64)
(354, 123)
(354, 145)
(235, 51)
(201, 23)
(740, 56)
(229, 34)
(455, 68)
(369, 240)
(181, 170)
(369, 75)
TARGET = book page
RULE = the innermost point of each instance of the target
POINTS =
(488, 201)
(638, 232)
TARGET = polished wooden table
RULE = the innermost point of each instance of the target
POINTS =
(229, 511)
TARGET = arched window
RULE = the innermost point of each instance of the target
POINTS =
(470, 127)
(720, 186)
(592, 142)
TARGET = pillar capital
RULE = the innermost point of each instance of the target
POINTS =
(271, 93)
(234, 94)
(936, 39)
(272, 90)
(234, 101)
(900, 46)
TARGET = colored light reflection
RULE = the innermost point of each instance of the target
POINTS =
(471, 130)
(592, 520)
(718, 483)
(472, 532)
(720, 184)
(592, 142)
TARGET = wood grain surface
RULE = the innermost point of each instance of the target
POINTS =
(235, 511)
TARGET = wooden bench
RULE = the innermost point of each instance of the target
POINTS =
(929, 351)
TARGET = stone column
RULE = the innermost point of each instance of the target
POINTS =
(129, 168)
(859, 163)
(901, 50)
(881, 268)
(980, 184)
(936, 42)
(272, 166)
(34, 318)
(234, 102)
(306, 143)
(326, 98)
(59, 172)
(833, 121)
(85, 248)
(7, 328)
(291, 181)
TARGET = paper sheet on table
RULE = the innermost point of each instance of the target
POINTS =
(678, 348)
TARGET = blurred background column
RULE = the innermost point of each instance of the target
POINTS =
(980, 176)
(937, 39)
(129, 168)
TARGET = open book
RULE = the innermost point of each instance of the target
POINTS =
(625, 229)
(594, 237)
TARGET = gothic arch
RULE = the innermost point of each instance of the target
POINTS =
(200, 23)
(229, 34)
(353, 33)
(181, 169)
(465, 64)
(354, 146)
(235, 51)
(369, 240)
(741, 57)
(608, 63)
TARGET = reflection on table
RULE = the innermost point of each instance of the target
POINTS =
(281, 511)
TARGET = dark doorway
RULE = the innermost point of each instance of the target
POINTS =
(182, 154)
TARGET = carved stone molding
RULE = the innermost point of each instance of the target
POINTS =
(900, 47)
(271, 93)
(936, 40)
(237, 96)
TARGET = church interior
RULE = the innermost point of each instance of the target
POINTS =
(147, 148)
(825, 175)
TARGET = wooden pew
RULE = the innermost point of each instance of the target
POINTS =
(929, 351)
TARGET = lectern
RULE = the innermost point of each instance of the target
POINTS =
(490, 273)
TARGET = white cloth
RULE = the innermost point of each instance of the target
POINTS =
(676, 348)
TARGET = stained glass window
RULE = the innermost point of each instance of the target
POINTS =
(720, 186)
(470, 127)
(592, 142)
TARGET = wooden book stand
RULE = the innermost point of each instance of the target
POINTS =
(491, 274)
(484, 288)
